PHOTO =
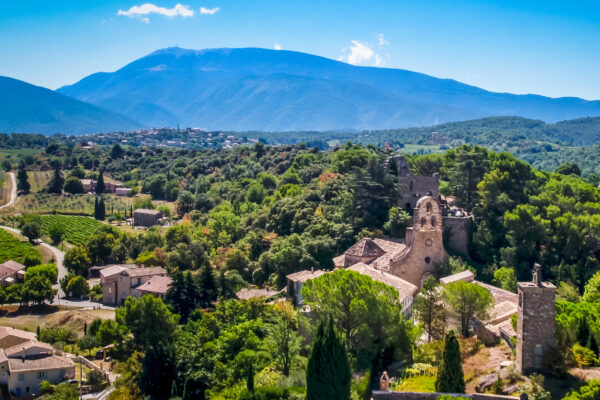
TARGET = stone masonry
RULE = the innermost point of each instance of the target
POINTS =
(411, 188)
(535, 324)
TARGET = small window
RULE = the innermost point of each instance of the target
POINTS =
(410, 187)
(139, 281)
(428, 208)
(427, 260)
(120, 279)
(21, 377)
(422, 221)
(109, 290)
(432, 222)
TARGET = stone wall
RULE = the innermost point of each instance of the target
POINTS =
(535, 324)
(379, 395)
(456, 234)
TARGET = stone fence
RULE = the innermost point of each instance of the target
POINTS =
(381, 395)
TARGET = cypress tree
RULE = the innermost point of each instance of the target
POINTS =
(58, 181)
(23, 181)
(328, 372)
(173, 389)
(100, 212)
(450, 377)
(208, 286)
(250, 378)
(185, 395)
(100, 186)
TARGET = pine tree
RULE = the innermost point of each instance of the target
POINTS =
(23, 181)
(100, 186)
(58, 181)
(328, 372)
(84, 328)
(450, 377)
(429, 309)
(208, 287)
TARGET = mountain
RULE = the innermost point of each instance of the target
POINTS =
(270, 90)
(33, 109)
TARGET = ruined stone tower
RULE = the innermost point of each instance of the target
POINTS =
(426, 245)
(411, 188)
(535, 324)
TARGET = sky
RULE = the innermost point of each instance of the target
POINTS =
(547, 47)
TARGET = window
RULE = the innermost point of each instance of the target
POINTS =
(428, 208)
(62, 373)
(109, 290)
(427, 260)
(432, 222)
(21, 377)
(139, 281)
(42, 375)
(411, 186)
(422, 221)
(120, 279)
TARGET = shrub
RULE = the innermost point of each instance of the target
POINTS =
(78, 286)
(584, 357)
(46, 387)
(73, 185)
(53, 335)
(266, 393)
(49, 271)
(94, 377)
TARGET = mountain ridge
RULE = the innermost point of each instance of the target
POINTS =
(34, 109)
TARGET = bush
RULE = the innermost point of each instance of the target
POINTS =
(78, 286)
(46, 387)
(32, 259)
(583, 356)
(95, 377)
(73, 185)
(54, 335)
(49, 271)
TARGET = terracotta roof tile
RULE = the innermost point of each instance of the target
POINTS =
(136, 272)
(157, 284)
(366, 247)
(39, 363)
(304, 275)
(403, 287)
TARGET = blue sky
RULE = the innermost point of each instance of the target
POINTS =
(545, 47)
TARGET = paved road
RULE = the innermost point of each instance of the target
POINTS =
(13, 193)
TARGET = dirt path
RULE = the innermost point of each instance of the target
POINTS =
(13, 192)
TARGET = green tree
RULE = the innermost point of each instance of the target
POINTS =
(110, 332)
(99, 208)
(100, 185)
(398, 221)
(208, 286)
(450, 378)
(429, 309)
(77, 260)
(116, 151)
(591, 292)
(49, 271)
(589, 391)
(22, 179)
(73, 185)
(149, 320)
(506, 279)
(78, 286)
(38, 289)
(56, 233)
(87, 343)
(465, 167)
(569, 168)
(284, 336)
(328, 372)
(55, 185)
(185, 202)
(467, 300)
(31, 230)
(183, 296)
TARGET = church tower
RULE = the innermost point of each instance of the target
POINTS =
(535, 323)
(425, 240)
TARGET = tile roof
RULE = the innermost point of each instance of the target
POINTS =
(304, 275)
(6, 331)
(146, 211)
(115, 269)
(9, 267)
(403, 287)
(39, 363)
(365, 247)
(252, 293)
(466, 276)
(499, 295)
(136, 272)
(17, 350)
(157, 284)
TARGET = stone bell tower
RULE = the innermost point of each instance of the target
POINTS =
(535, 323)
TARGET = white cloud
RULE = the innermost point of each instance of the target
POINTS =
(365, 53)
(142, 11)
(209, 11)
(277, 46)
(381, 40)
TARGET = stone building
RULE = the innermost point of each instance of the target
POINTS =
(411, 188)
(121, 281)
(146, 217)
(535, 323)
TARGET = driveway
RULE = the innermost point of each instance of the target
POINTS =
(13, 193)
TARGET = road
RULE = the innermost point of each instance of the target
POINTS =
(13, 193)
(60, 298)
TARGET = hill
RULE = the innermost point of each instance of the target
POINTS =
(269, 90)
(29, 108)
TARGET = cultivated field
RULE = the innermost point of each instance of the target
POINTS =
(81, 204)
(76, 229)
(38, 180)
(12, 248)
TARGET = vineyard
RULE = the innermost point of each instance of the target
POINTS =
(38, 180)
(80, 204)
(76, 229)
(13, 249)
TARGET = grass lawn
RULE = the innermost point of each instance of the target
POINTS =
(420, 383)
(11, 248)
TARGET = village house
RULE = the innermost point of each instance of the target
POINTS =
(157, 286)
(11, 272)
(121, 281)
(295, 282)
(256, 293)
(25, 363)
(146, 217)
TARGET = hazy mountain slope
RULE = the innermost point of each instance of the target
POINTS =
(259, 89)
(33, 109)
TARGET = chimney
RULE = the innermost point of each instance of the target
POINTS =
(23, 354)
(312, 270)
(537, 274)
